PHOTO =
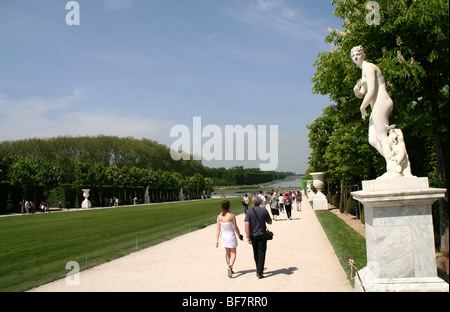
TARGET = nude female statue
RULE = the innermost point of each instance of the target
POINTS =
(372, 88)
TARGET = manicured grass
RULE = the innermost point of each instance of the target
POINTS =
(34, 249)
(344, 239)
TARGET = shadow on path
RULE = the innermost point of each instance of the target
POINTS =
(288, 271)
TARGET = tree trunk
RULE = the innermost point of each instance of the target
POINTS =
(440, 154)
(341, 200)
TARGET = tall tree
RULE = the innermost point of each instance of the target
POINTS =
(409, 42)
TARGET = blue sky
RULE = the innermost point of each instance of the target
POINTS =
(139, 67)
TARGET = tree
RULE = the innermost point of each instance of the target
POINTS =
(35, 176)
(409, 42)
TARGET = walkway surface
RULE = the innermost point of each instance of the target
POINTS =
(299, 259)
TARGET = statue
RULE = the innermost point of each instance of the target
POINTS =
(86, 203)
(397, 161)
(372, 89)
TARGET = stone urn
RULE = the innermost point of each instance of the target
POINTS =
(86, 203)
(319, 200)
(318, 181)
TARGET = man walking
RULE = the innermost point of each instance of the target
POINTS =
(255, 233)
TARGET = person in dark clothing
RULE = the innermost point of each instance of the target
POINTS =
(255, 233)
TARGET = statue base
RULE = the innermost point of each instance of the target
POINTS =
(399, 235)
(369, 283)
(320, 202)
(86, 204)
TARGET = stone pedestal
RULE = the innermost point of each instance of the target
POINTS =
(309, 192)
(146, 197)
(399, 235)
(320, 202)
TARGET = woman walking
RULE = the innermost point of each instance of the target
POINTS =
(226, 227)
(245, 202)
(274, 206)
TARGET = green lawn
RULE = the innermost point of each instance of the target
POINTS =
(344, 239)
(34, 249)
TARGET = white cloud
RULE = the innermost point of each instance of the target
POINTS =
(50, 117)
(278, 15)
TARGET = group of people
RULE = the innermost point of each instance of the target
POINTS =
(30, 207)
(255, 222)
(110, 202)
(277, 202)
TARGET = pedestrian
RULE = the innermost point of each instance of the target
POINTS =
(288, 206)
(42, 206)
(226, 227)
(274, 206)
(281, 202)
(60, 204)
(22, 205)
(255, 231)
(27, 206)
(262, 199)
(245, 202)
(299, 200)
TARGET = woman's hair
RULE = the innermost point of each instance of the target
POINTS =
(225, 207)
(359, 49)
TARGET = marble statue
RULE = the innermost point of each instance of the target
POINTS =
(397, 162)
(387, 140)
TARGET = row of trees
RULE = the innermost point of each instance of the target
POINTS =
(35, 179)
(244, 176)
(58, 168)
(409, 42)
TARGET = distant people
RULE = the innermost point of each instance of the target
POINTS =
(60, 204)
(27, 206)
(262, 199)
(245, 202)
(42, 207)
(298, 200)
(226, 227)
(255, 233)
(288, 206)
(273, 202)
(281, 202)
(22, 205)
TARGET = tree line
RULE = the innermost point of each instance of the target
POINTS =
(58, 168)
(410, 45)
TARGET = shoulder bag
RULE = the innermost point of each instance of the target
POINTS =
(268, 235)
